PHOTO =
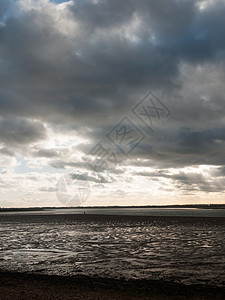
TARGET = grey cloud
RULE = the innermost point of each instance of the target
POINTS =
(57, 164)
(16, 131)
(6, 151)
(108, 66)
(92, 176)
(58, 85)
(191, 181)
(63, 164)
(220, 171)
(49, 153)
(198, 182)
(88, 80)
(102, 14)
(47, 189)
(200, 140)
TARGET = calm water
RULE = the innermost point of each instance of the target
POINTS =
(188, 250)
(191, 212)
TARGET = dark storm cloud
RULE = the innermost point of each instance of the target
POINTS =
(103, 14)
(163, 16)
(63, 77)
(200, 140)
(175, 147)
(89, 77)
(15, 132)
(175, 25)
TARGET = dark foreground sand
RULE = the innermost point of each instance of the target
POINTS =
(32, 286)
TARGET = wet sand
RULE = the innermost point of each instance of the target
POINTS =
(48, 216)
(33, 286)
(37, 286)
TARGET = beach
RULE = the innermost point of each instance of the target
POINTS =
(32, 286)
(88, 256)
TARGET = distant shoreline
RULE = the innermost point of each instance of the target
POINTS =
(102, 218)
(199, 206)
(36, 286)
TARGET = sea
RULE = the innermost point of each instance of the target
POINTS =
(184, 245)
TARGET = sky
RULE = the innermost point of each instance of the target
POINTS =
(112, 102)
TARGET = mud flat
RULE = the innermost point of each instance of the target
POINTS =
(35, 286)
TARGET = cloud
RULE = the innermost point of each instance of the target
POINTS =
(91, 59)
(71, 71)
(17, 131)
(4, 7)
(208, 179)
(47, 189)
(49, 153)
(6, 151)
(93, 177)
